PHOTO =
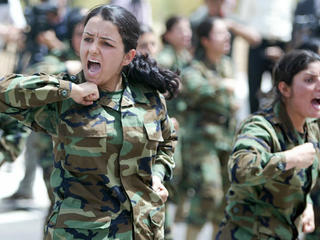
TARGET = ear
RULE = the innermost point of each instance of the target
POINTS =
(284, 89)
(204, 41)
(167, 36)
(128, 57)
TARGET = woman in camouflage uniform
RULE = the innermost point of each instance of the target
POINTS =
(175, 55)
(113, 140)
(209, 124)
(147, 42)
(176, 44)
(275, 159)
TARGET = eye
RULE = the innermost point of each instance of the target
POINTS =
(87, 39)
(107, 44)
(309, 80)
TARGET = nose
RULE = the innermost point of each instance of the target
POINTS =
(93, 47)
(318, 83)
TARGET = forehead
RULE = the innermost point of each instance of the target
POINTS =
(147, 35)
(98, 26)
(312, 68)
(183, 22)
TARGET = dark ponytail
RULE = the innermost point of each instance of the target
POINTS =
(145, 70)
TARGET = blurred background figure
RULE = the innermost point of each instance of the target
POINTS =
(209, 123)
(306, 22)
(147, 42)
(12, 25)
(39, 149)
(175, 55)
(12, 138)
(47, 23)
(176, 42)
(141, 9)
(273, 21)
(223, 9)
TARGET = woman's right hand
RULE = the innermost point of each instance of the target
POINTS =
(301, 156)
(84, 93)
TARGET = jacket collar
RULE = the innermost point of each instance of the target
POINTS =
(132, 93)
(278, 115)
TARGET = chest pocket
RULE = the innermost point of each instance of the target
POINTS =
(152, 140)
(83, 136)
(154, 136)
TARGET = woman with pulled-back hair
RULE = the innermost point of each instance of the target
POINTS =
(113, 140)
(274, 163)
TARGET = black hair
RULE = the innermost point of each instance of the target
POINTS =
(145, 29)
(291, 64)
(74, 17)
(170, 23)
(203, 30)
(142, 69)
(312, 44)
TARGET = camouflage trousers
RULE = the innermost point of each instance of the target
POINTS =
(85, 234)
(230, 231)
(206, 178)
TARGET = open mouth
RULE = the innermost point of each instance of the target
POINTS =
(316, 103)
(93, 66)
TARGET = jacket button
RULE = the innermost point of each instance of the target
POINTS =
(73, 78)
(64, 93)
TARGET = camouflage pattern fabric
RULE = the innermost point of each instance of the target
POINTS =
(99, 182)
(209, 124)
(170, 59)
(40, 145)
(264, 200)
(12, 138)
(54, 63)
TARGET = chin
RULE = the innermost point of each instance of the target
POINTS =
(314, 115)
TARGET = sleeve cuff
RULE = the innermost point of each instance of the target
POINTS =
(275, 166)
(159, 170)
(282, 163)
(309, 200)
(64, 88)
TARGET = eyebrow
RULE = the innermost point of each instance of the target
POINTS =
(311, 74)
(104, 38)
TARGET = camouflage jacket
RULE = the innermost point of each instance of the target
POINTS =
(12, 138)
(264, 198)
(210, 110)
(169, 58)
(98, 183)
(54, 62)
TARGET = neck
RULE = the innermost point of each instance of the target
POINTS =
(113, 85)
(178, 49)
(297, 120)
(213, 57)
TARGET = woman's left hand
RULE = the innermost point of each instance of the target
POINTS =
(159, 188)
(308, 219)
